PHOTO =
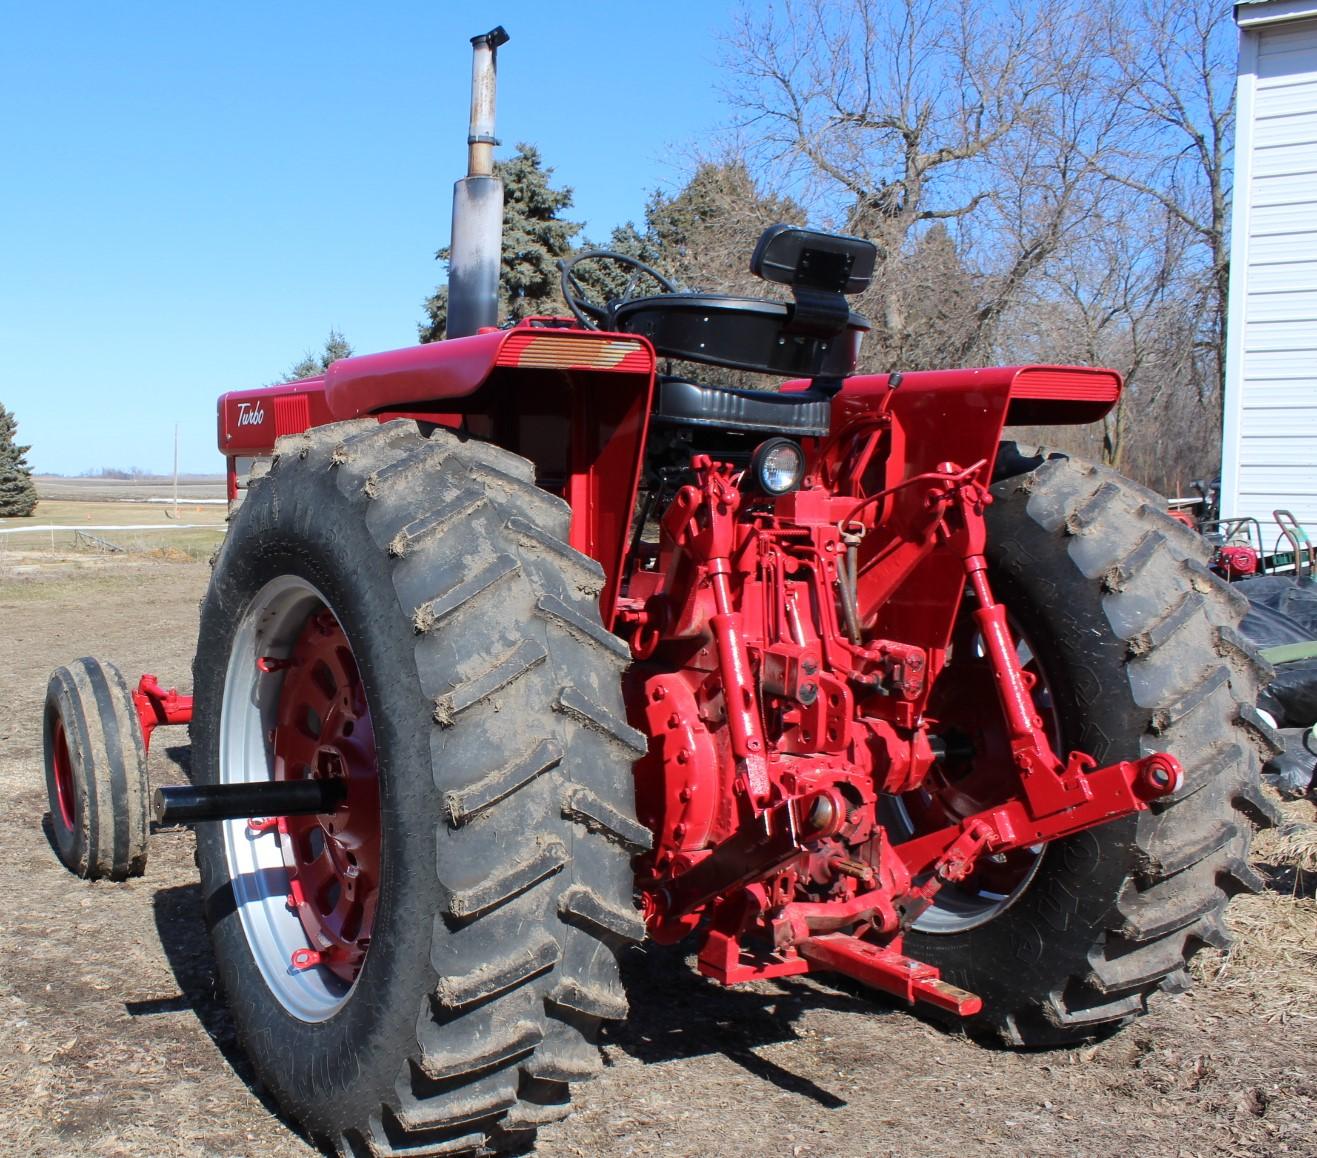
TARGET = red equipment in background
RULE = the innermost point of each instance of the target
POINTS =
(1236, 561)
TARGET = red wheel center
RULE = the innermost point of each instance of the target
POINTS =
(324, 732)
(966, 698)
(64, 790)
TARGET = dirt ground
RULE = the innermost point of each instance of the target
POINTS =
(113, 1040)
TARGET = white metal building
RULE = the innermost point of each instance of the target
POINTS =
(1269, 440)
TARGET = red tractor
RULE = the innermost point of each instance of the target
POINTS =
(523, 647)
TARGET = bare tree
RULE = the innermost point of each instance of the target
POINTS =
(1115, 296)
(898, 116)
(1142, 286)
(1172, 82)
(1046, 181)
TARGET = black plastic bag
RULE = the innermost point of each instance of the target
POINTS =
(1291, 697)
(1291, 772)
(1280, 610)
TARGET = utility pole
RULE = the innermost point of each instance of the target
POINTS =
(175, 470)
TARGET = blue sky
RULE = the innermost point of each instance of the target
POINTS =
(191, 195)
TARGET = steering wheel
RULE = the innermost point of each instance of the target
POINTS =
(591, 315)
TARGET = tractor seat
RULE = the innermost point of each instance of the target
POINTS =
(680, 402)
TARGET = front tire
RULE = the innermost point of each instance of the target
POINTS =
(485, 960)
(1138, 649)
(95, 772)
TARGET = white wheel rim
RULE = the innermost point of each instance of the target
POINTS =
(255, 861)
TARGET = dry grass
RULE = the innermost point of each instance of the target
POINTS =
(1274, 958)
(193, 535)
(1294, 843)
(32, 587)
(1273, 961)
(74, 513)
(40, 563)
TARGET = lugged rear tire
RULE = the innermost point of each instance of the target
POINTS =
(506, 813)
(1140, 645)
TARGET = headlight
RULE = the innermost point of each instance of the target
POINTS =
(776, 467)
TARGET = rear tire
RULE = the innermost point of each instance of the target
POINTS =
(505, 800)
(1140, 647)
(95, 772)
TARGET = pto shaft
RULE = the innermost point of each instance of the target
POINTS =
(196, 803)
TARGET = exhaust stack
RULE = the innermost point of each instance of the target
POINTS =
(477, 244)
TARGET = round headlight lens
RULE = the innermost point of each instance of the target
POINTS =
(778, 466)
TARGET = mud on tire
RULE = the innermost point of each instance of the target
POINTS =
(95, 772)
(1142, 650)
(505, 790)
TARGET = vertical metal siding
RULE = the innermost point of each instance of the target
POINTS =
(1270, 436)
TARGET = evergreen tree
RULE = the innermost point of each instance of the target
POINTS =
(18, 494)
(313, 365)
(534, 238)
(700, 237)
(936, 285)
(706, 232)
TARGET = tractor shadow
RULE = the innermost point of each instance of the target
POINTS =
(180, 924)
(675, 1013)
(48, 831)
(182, 931)
(678, 1014)
(180, 756)
(181, 927)
(1288, 880)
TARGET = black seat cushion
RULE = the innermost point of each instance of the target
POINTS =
(741, 333)
(679, 402)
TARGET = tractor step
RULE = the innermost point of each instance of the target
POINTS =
(196, 803)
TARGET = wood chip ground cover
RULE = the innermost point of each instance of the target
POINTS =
(113, 1040)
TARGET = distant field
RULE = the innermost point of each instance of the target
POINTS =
(191, 486)
(194, 533)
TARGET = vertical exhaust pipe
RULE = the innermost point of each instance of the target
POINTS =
(477, 244)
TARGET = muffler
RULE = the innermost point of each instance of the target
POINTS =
(477, 244)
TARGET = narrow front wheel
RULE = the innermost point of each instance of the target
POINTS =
(95, 772)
